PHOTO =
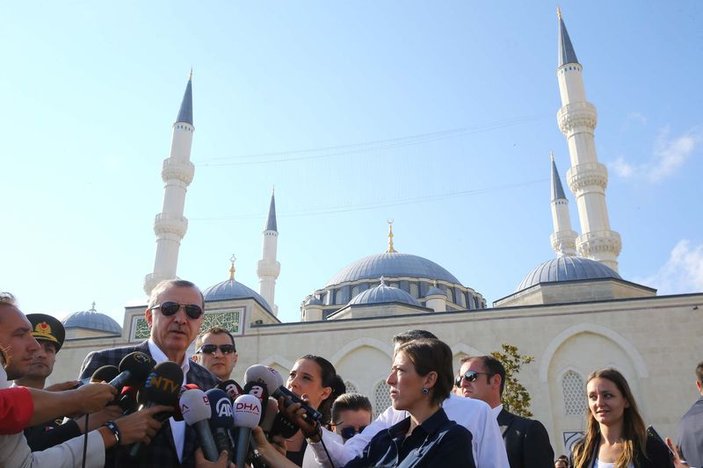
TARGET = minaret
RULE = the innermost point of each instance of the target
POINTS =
(177, 173)
(563, 238)
(587, 178)
(268, 268)
(390, 249)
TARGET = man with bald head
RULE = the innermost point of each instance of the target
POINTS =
(174, 315)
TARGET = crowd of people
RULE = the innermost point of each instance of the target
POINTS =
(124, 409)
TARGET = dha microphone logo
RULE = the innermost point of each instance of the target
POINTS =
(251, 408)
(224, 408)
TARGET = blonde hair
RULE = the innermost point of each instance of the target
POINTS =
(633, 432)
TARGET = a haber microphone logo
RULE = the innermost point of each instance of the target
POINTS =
(224, 408)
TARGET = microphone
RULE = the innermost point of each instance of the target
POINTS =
(231, 388)
(221, 420)
(289, 398)
(134, 369)
(128, 400)
(247, 413)
(101, 374)
(195, 408)
(259, 381)
(162, 386)
(269, 415)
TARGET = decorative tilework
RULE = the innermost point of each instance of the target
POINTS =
(230, 321)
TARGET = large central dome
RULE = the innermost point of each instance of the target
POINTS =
(392, 265)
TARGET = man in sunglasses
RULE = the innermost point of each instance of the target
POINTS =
(215, 350)
(526, 440)
(174, 315)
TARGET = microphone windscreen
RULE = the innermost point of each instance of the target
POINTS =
(163, 384)
(105, 374)
(231, 388)
(138, 365)
(194, 406)
(247, 411)
(262, 374)
(269, 414)
(221, 407)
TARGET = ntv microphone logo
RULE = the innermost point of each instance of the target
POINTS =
(224, 408)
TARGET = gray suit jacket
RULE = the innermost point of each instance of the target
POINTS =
(526, 441)
(691, 434)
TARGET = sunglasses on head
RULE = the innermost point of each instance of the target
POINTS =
(168, 308)
(470, 376)
(350, 431)
(211, 348)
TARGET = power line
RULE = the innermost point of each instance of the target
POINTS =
(374, 205)
(362, 147)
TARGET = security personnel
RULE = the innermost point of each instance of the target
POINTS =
(50, 334)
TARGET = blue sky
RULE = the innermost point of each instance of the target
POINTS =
(438, 115)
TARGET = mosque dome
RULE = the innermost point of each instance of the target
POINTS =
(383, 294)
(92, 320)
(231, 289)
(392, 265)
(567, 268)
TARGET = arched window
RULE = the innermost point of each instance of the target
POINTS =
(574, 390)
(382, 398)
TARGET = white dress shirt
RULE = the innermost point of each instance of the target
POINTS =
(178, 428)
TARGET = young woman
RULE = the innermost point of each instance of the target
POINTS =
(315, 380)
(420, 380)
(615, 433)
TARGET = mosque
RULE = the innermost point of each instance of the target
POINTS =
(574, 313)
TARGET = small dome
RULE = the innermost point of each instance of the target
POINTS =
(383, 294)
(231, 289)
(392, 265)
(567, 269)
(435, 291)
(92, 320)
(313, 300)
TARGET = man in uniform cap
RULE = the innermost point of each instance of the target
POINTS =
(50, 334)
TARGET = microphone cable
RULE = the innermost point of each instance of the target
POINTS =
(85, 439)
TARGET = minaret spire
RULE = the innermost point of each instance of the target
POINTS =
(587, 178)
(390, 237)
(563, 238)
(177, 172)
(268, 268)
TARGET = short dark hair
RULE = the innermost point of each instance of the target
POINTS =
(214, 331)
(493, 367)
(428, 355)
(350, 401)
(699, 372)
(410, 335)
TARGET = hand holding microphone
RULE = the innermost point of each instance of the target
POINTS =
(134, 369)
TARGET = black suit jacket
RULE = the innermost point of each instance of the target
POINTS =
(526, 442)
(161, 451)
(691, 434)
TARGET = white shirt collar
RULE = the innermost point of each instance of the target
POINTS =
(159, 356)
(496, 411)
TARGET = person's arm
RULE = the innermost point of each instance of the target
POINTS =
(86, 399)
(16, 409)
(537, 451)
(269, 453)
(39, 438)
(15, 453)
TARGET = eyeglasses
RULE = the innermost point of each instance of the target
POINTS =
(471, 376)
(211, 348)
(350, 431)
(169, 308)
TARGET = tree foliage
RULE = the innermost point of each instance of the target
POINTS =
(516, 398)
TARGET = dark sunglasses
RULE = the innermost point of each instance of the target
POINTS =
(211, 348)
(169, 308)
(350, 431)
(470, 376)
